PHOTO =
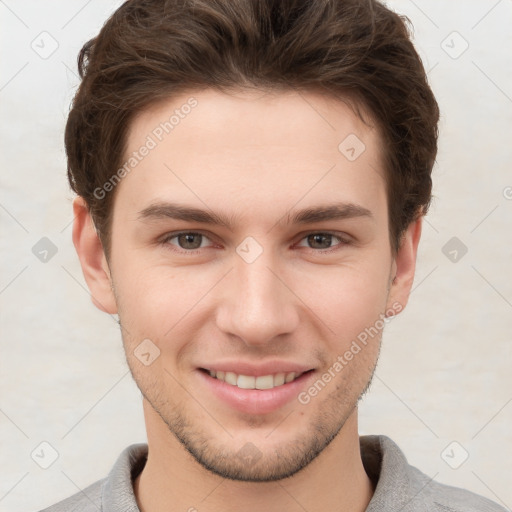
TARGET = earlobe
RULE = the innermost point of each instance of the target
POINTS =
(404, 266)
(92, 258)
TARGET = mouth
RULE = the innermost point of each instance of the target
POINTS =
(255, 390)
(261, 382)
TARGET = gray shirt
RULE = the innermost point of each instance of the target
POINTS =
(399, 486)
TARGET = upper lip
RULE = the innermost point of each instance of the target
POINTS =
(257, 370)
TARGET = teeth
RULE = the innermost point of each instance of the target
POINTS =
(264, 382)
(289, 377)
(230, 378)
(251, 382)
(279, 379)
(246, 382)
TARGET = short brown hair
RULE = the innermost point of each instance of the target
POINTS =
(149, 50)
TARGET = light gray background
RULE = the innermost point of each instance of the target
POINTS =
(445, 370)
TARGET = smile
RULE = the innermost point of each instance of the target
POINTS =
(252, 382)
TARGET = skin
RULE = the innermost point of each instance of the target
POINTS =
(254, 157)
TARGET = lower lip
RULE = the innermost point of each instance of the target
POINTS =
(256, 401)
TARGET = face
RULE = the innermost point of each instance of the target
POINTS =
(250, 255)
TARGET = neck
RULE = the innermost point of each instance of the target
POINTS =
(173, 481)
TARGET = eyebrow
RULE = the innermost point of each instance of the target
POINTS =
(335, 211)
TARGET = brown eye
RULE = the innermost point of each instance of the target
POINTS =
(189, 240)
(186, 241)
(320, 240)
(324, 241)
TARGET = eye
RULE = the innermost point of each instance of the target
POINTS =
(190, 242)
(187, 241)
(321, 241)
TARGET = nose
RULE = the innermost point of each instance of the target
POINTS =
(257, 304)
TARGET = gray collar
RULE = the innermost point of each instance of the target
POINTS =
(400, 487)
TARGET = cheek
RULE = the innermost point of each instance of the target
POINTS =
(347, 299)
(351, 304)
(158, 302)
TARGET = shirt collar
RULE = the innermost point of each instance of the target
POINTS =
(117, 493)
(400, 487)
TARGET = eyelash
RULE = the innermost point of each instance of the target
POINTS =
(191, 252)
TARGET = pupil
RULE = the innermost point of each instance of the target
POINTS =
(318, 238)
(187, 240)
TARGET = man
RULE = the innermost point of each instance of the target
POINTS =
(251, 181)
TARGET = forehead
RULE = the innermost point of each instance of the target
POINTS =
(251, 149)
(254, 117)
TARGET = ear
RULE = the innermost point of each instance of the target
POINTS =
(92, 258)
(404, 266)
